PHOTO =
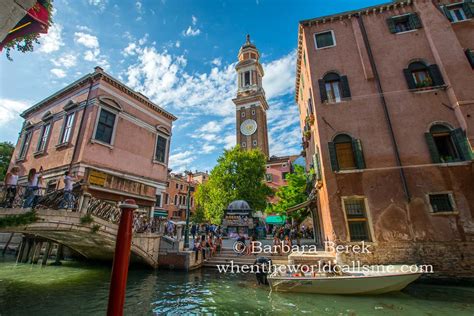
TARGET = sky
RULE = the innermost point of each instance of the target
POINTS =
(179, 53)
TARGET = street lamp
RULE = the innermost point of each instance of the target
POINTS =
(186, 229)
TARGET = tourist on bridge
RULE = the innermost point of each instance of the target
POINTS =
(11, 182)
(33, 190)
(68, 198)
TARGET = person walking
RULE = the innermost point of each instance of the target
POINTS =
(33, 190)
(68, 198)
(11, 183)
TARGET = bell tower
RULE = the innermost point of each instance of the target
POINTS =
(251, 104)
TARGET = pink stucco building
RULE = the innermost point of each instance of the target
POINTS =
(387, 108)
(113, 138)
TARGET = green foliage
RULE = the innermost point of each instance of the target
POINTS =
(6, 152)
(86, 219)
(17, 220)
(198, 215)
(95, 228)
(238, 175)
(26, 43)
(292, 194)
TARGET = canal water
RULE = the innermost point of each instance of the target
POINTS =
(79, 289)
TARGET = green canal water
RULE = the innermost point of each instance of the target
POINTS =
(79, 289)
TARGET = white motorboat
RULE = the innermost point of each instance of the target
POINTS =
(354, 282)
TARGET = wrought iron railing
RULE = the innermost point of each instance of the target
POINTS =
(18, 196)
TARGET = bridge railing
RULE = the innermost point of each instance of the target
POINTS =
(22, 196)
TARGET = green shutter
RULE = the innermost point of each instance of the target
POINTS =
(317, 164)
(414, 21)
(391, 25)
(358, 153)
(322, 90)
(447, 13)
(462, 144)
(468, 8)
(436, 75)
(470, 56)
(346, 91)
(432, 148)
(333, 156)
(409, 78)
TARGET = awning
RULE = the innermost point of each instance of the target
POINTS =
(160, 214)
(276, 219)
(299, 206)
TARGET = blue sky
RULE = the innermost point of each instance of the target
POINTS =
(179, 53)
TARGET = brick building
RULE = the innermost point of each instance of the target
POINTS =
(115, 139)
(387, 108)
(174, 200)
(277, 169)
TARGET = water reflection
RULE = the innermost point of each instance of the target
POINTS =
(76, 289)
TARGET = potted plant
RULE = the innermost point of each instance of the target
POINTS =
(307, 134)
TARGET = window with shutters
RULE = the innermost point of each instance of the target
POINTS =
(442, 202)
(44, 136)
(105, 126)
(418, 75)
(334, 88)
(459, 12)
(356, 216)
(403, 23)
(324, 39)
(25, 145)
(67, 128)
(346, 153)
(158, 200)
(161, 148)
(448, 145)
(176, 199)
(268, 177)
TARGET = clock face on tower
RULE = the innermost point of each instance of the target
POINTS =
(248, 127)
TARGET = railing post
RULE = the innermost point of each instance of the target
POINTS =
(84, 203)
(123, 244)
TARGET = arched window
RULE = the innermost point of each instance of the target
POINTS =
(419, 75)
(448, 145)
(346, 153)
(333, 88)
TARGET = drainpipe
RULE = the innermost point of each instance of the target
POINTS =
(384, 106)
(76, 145)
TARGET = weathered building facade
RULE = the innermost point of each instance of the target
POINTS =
(387, 108)
(112, 138)
(175, 200)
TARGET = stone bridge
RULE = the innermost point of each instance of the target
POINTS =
(86, 231)
(94, 240)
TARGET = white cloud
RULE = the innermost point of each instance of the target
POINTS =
(66, 61)
(84, 28)
(88, 40)
(138, 5)
(208, 148)
(93, 54)
(60, 73)
(181, 161)
(190, 31)
(279, 76)
(52, 41)
(211, 127)
(217, 62)
(100, 4)
(177, 44)
(130, 49)
(10, 110)
(194, 19)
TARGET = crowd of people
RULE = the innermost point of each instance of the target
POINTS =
(292, 231)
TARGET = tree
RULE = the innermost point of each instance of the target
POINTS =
(294, 193)
(238, 175)
(6, 152)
